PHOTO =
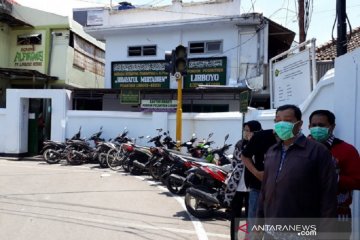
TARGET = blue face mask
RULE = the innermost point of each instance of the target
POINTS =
(284, 130)
(320, 134)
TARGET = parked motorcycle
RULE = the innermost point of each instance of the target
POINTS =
(54, 151)
(207, 191)
(137, 161)
(167, 142)
(103, 148)
(80, 151)
(161, 160)
(177, 182)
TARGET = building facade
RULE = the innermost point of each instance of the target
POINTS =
(44, 50)
(41, 50)
(225, 49)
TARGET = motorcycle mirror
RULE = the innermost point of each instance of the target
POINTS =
(147, 136)
(193, 135)
(159, 130)
(226, 137)
(101, 128)
(210, 134)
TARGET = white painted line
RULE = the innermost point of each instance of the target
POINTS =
(200, 231)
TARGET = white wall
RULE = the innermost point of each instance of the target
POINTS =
(347, 111)
(172, 12)
(16, 130)
(2, 129)
(65, 123)
(320, 98)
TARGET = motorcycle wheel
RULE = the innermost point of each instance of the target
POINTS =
(113, 160)
(163, 172)
(102, 160)
(196, 208)
(50, 157)
(155, 172)
(126, 164)
(71, 158)
(174, 186)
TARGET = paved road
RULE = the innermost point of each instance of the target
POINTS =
(42, 202)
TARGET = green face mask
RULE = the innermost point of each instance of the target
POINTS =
(320, 134)
(284, 130)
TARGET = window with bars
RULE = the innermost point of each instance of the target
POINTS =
(205, 47)
(142, 51)
(30, 39)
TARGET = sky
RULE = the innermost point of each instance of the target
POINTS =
(280, 11)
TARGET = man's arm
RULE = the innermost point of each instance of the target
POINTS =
(350, 170)
(250, 166)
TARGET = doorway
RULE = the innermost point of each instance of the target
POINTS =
(39, 124)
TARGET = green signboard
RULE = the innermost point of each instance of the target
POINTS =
(139, 74)
(128, 96)
(244, 99)
(205, 71)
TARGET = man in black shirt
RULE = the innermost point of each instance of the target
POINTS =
(253, 158)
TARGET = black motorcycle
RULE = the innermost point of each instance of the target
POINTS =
(141, 156)
(54, 151)
(167, 142)
(80, 151)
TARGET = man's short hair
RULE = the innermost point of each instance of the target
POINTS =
(296, 110)
(329, 115)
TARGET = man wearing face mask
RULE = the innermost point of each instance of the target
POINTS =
(299, 179)
(321, 126)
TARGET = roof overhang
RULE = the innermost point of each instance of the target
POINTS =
(280, 33)
(18, 73)
(12, 21)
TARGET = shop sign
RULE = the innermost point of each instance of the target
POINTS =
(130, 96)
(139, 74)
(158, 105)
(28, 57)
(205, 71)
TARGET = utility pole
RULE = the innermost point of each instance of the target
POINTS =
(302, 34)
(341, 44)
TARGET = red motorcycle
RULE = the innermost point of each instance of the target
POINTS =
(207, 191)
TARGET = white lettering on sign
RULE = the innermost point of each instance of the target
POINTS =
(205, 77)
(126, 80)
(153, 79)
